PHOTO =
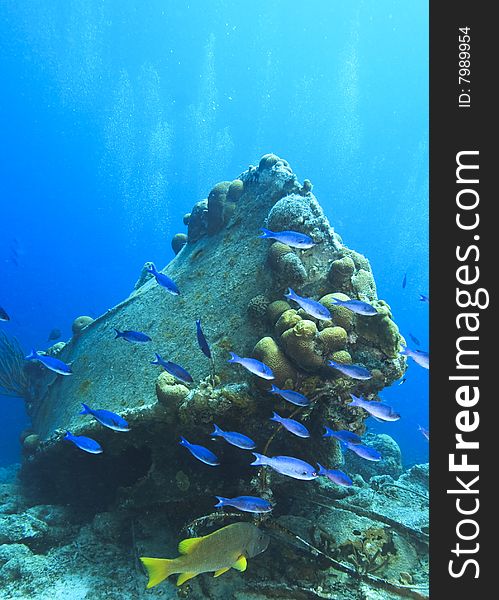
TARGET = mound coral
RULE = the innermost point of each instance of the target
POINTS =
(79, 325)
(220, 208)
(271, 354)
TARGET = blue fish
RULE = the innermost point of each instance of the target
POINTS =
(380, 411)
(291, 425)
(84, 443)
(286, 465)
(106, 418)
(132, 336)
(200, 452)
(234, 438)
(356, 306)
(203, 344)
(290, 396)
(404, 281)
(311, 307)
(419, 356)
(253, 366)
(364, 451)
(414, 339)
(164, 281)
(3, 315)
(424, 432)
(335, 476)
(353, 371)
(343, 435)
(250, 504)
(54, 364)
(424, 298)
(290, 238)
(175, 370)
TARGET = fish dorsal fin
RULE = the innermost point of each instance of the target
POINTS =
(240, 564)
(221, 571)
(189, 545)
(183, 577)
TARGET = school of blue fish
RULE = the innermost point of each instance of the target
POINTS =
(285, 465)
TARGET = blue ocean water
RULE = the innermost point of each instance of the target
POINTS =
(116, 117)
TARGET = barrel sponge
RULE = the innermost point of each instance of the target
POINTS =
(269, 353)
(340, 272)
(343, 317)
(333, 339)
(381, 332)
(276, 309)
(235, 190)
(288, 319)
(219, 208)
(178, 242)
(79, 324)
(300, 344)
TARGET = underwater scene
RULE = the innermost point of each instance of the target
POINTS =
(214, 346)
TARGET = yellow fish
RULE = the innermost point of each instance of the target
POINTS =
(219, 551)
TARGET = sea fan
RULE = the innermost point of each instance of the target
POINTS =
(14, 379)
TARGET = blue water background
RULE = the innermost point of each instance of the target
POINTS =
(116, 117)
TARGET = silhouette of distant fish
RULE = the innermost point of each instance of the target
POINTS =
(55, 334)
(414, 339)
(3, 315)
(424, 298)
(404, 281)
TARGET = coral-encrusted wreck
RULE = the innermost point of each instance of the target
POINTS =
(146, 492)
(235, 282)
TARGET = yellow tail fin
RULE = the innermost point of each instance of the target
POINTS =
(158, 569)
